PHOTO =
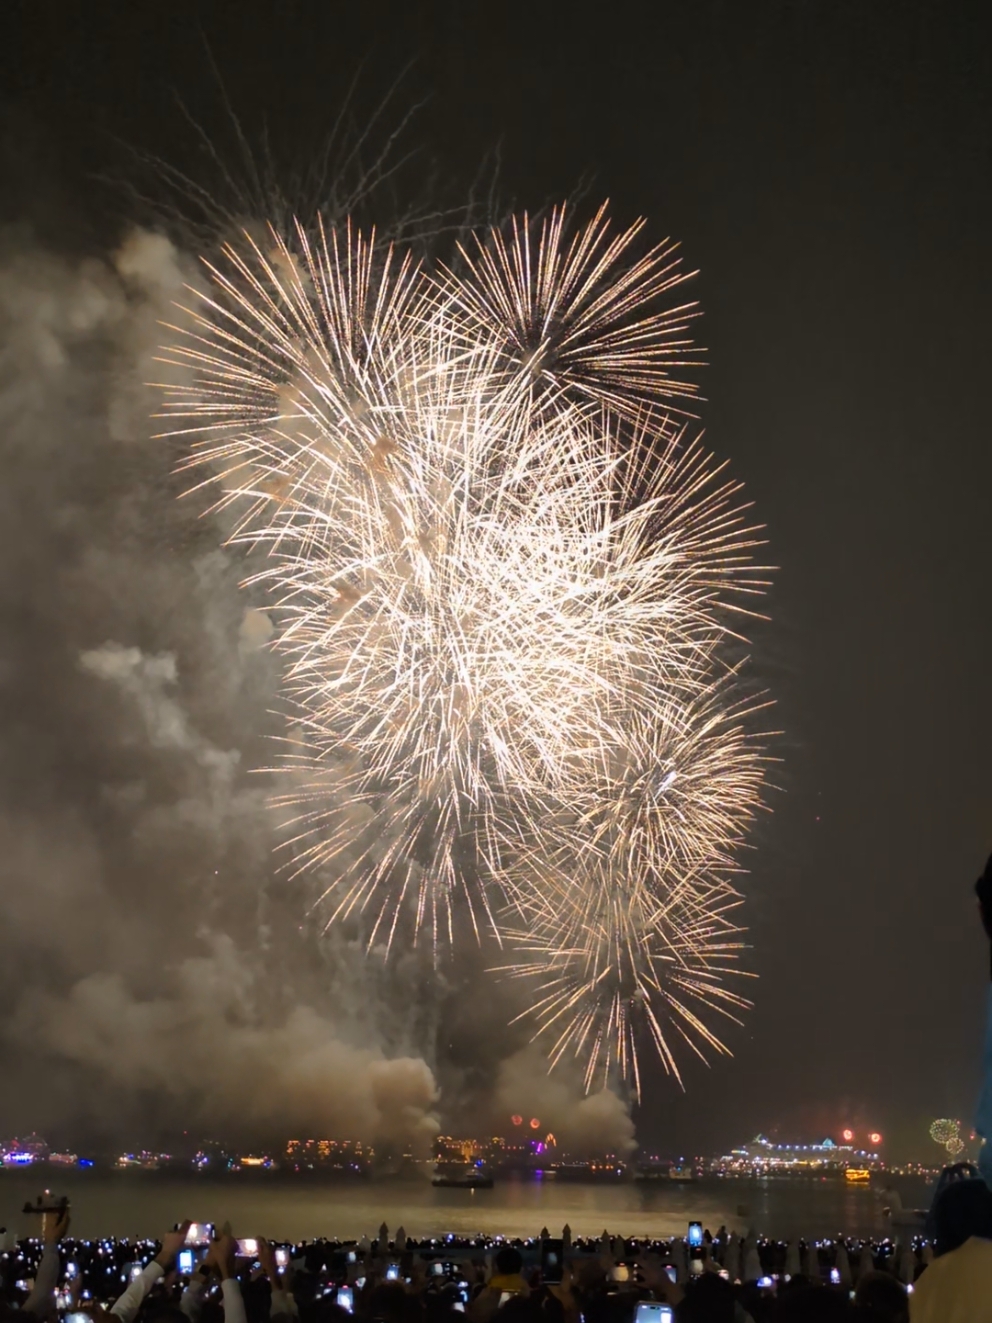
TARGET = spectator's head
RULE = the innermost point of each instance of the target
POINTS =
(520, 1309)
(388, 1302)
(508, 1261)
(708, 1299)
(162, 1311)
(811, 1304)
(885, 1298)
(328, 1311)
(961, 1210)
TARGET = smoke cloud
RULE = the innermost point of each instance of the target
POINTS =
(156, 970)
(209, 1051)
(581, 1124)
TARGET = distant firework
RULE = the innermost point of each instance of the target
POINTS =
(947, 1132)
(507, 587)
(944, 1130)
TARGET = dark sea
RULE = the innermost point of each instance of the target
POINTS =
(283, 1207)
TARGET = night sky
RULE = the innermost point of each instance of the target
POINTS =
(826, 167)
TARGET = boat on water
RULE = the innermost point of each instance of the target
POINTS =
(903, 1219)
(468, 1178)
(668, 1175)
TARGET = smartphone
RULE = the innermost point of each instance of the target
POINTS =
(70, 1270)
(459, 1305)
(672, 1273)
(835, 1277)
(248, 1247)
(78, 1318)
(766, 1283)
(620, 1273)
(695, 1235)
(351, 1256)
(282, 1256)
(650, 1311)
(393, 1272)
(346, 1298)
(63, 1299)
(184, 1260)
(200, 1233)
(503, 1297)
(134, 1271)
(437, 1268)
(552, 1256)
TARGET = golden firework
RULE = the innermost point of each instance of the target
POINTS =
(508, 587)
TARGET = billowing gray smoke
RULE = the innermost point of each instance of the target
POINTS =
(580, 1125)
(155, 969)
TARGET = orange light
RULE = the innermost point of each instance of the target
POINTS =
(847, 1136)
(875, 1137)
(517, 1120)
(535, 1123)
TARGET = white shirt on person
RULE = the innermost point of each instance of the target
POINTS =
(957, 1287)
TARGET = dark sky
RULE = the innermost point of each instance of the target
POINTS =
(826, 166)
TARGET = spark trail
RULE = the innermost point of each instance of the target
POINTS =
(509, 588)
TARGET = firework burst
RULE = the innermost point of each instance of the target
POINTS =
(505, 582)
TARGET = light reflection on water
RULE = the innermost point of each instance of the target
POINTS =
(145, 1203)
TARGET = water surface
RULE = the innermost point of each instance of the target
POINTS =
(283, 1208)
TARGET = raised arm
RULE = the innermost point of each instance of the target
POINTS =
(41, 1301)
(127, 1306)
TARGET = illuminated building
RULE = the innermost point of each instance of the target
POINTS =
(22, 1152)
(329, 1154)
(447, 1149)
(143, 1161)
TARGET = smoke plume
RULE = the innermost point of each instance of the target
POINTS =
(155, 968)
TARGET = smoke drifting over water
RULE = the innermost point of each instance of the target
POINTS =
(155, 971)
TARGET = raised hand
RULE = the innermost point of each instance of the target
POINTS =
(172, 1243)
(55, 1225)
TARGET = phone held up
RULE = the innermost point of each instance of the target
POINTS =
(47, 1203)
(552, 1256)
(650, 1311)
